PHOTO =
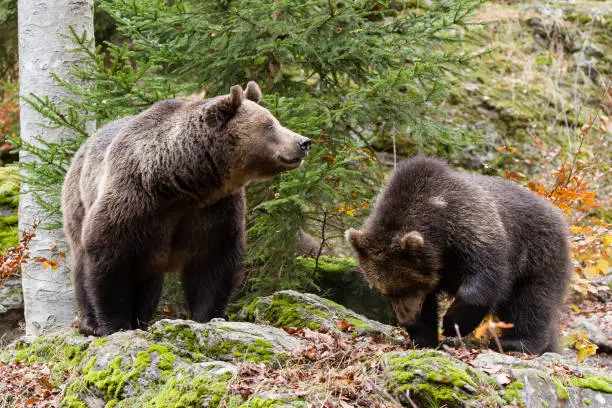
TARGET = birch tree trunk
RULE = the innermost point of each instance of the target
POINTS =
(44, 44)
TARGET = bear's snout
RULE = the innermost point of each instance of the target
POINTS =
(408, 308)
(304, 145)
(293, 148)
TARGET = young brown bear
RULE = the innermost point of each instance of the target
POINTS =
(497, 247)
(164, 191)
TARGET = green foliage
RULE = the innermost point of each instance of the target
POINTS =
(9, 199)
(350, 75)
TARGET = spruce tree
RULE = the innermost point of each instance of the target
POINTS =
(354, 76)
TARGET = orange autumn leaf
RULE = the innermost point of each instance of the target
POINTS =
(485, 332)
(345, 325)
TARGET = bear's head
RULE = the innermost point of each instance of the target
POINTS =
(260, 146)
(404, 268)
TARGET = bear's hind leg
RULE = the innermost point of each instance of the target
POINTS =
(86, 319)
(146, 298)
(534, 318)
(74, 212)
(111, 290)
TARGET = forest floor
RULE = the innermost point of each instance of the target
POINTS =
(596, 308)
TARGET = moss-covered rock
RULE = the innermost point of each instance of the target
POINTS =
(226, 341)
(65, 349)
(176, 363)
(293, 309)
(340, 280)
(11, 310)
(180, 363)
(122, 366)
(550, 378)
(431, 378)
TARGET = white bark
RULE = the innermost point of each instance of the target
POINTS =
(44, 44)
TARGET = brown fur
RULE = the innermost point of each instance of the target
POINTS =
(497, 247)
(163, 191)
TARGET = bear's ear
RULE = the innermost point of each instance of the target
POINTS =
(412, 239)
(223, 109)
(358, 240)
(236, 96)
(252, 92)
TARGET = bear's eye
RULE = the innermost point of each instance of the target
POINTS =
(269, 126)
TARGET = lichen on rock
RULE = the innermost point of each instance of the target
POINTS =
(289, 308)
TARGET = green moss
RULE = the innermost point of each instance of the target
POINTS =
(21, 355)
(586, 401)
(512, 392)
(9, 187)
(257, 402)
(166, 357)
(283, 311)
(60, 356)
(579, 18)
(179, 391)
(73, 401)
(112, 380)
(432, 379)
(9, 236)
(327, 264)
(543, 60)
(260, 351)
(561, 391)
(359, 324)
(599, 383)
(184, 334)
(336, 305)
(99, 342)
(9, 198)
(142, 360)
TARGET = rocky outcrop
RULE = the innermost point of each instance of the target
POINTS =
(330, 356)
(592, 328)
(11, 310)
(289, 308)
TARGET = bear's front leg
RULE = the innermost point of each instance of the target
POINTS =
(209, 282)
(216, 237)
(462, 318)
(483, 286)
(424, 333)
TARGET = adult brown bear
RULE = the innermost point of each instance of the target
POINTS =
(497, 247)
(162, 191)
